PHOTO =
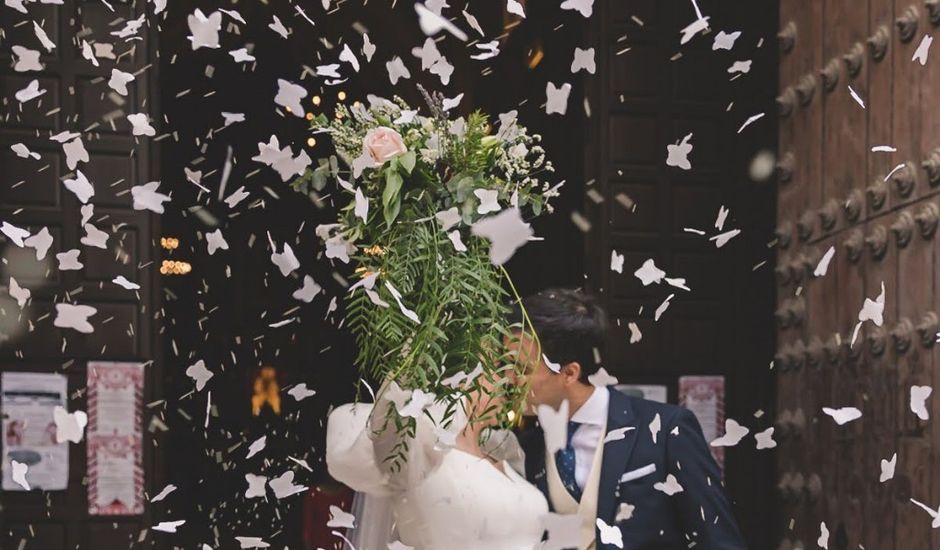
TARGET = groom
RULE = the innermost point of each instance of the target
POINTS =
(632, 465)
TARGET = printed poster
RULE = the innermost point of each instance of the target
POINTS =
(115, 438)
(705, 396)
(29, 430)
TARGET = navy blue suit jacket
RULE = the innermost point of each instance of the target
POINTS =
(659, 521)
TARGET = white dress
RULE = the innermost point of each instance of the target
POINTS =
(442, 498)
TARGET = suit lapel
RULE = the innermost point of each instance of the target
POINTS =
(533, 443)
(617, 453)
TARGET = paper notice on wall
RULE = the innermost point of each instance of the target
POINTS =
(705, 397)
(29, 430)
(115, 439)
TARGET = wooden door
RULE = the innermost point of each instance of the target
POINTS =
(651, 92)
(856, 133)
(32, 196)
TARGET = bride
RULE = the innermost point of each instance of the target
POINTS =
(452, 492)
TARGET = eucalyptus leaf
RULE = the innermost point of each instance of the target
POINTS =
(407, 161)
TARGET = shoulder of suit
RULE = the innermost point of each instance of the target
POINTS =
(647, 409)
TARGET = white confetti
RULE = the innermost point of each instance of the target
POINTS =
(256, 486)
(514, 7)
(204, 30)
(121, 280)
(488, 200)
(921, 53)
(617, 434)
(41, 242)
(43, 37)
(251, 542)
(692, 29)
(146, 197)
(655, 426)
(69, 426)
(94, 237)
(75, 152)
(454, 237)
(584, 7)
(887, 468)
(199, 373)
(74, 317)
(722, 238)
(506, 232)
(216, 241)
(583, 61)
(616, 261)
(168, 526)
(68, 260)
(602, 378)
(279, 27)
(289, 96)
(80, 187)
(286, 261)
(119, 81)
(396, 69)
(23, 151)
(725, 41)
(648, 273)
(432, 23)
(919, 395)
(448, 218)
(18, 293)
(610, 534)
(308, 291)
(256, 446)
(823, 540)
(751, 120)
(557, 98)
(300, 392)
(283, 486)
(765, 439)
(678, 154)
(823, 266)
(18, 474)
(734, 433)
(164, 493)
(341, 519)
(140, 123)
(241, 55)
(856, 97)
(670, 486)
(26, 60)
(843, 415)
(635, 334)
(30, 92)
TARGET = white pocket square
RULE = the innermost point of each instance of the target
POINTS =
(638, 473)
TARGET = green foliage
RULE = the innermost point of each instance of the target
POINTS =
(459, 297)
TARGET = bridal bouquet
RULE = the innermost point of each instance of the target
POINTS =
(429, 307)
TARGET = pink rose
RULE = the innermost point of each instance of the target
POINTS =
(383, 144)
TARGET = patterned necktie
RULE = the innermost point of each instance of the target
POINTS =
(565, 462)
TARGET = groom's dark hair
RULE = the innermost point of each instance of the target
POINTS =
(571, 326)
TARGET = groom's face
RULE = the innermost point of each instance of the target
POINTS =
(545, 386)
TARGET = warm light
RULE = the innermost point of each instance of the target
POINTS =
(169, 243)
(309, 116)
(311, 142)
(266, 392)
(288, 108)
(173, 267)
(341, 95)
(356, 103)
(316, 100)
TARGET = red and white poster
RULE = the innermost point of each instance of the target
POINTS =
(115, 438)
(705, 397)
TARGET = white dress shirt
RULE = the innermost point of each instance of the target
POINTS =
(593, 417)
